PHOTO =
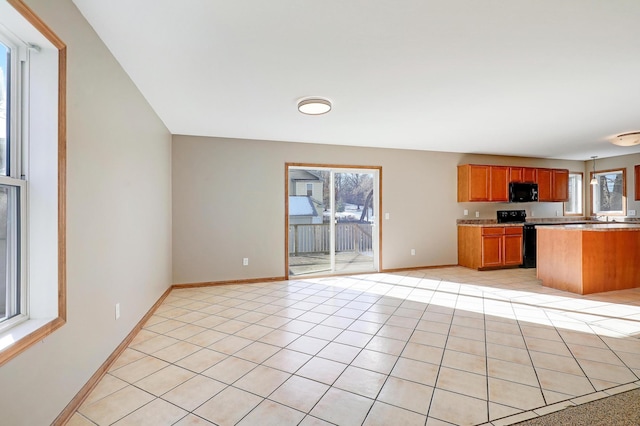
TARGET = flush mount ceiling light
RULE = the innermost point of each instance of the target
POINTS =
(627, 139)
(314, 106)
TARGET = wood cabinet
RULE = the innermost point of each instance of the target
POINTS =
(523, 174)
(489, 247)
(513, 246)
(553, 185)
(637, 181)
(498, 183)
(545, 185)
(478, 182)
(483, 183)
(573, 259)
(560, 187)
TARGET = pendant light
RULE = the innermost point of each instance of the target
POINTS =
(594, 181)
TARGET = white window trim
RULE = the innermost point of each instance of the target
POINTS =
(45, 199)
(594, 188)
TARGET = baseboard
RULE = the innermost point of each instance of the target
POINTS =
(226, 282)
(77, 400)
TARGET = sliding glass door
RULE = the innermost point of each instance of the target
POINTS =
(332, 220)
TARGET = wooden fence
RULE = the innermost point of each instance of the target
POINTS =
(350, 237)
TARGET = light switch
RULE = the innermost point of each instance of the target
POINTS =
(386, 216)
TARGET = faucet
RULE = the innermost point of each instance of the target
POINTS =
(599, 218)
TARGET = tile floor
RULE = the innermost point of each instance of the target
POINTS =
(432, 347)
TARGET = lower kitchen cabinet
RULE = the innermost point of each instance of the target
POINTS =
(489, 247)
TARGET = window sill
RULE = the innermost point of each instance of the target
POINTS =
(24, 335)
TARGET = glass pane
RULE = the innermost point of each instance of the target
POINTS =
(5, 61)
(9, 276)
(574, 205)
(309, 216)
(609, 192)
(354, 227)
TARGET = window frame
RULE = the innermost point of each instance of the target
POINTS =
(46, 297)
(579, 186)
(15, 106)
(597, 212)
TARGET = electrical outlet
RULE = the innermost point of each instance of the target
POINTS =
(632, 212)
(477, 214)
(245, 261)
(413, 252)
(117, 310)
(466, 212)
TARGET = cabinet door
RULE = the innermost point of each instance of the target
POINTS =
(529, 174)
(498, 183)
(492, 250)
(473, 183)
(560, 185)
(545, 181)
(516, 174)
(637, 181)
(478, 183)
(513, 247)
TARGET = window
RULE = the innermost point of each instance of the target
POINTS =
(32, 180)
(574, 205)
(609, 197)
(309, 190)
(12, 188)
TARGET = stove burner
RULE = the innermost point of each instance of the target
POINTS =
(511, 216)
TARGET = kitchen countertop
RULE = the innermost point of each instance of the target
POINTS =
(610, 226)
(556, 222)
(493, 224)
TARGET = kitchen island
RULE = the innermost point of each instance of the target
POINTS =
(589, 258)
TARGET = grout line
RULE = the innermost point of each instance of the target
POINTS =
(242, 295)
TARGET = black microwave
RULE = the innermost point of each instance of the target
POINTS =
(523, 192)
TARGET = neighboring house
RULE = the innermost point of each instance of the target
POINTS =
(302, 211)
(304, 184)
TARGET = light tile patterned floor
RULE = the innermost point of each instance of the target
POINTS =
(431, 347)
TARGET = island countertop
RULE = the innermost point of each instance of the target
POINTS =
(608, 226)
(589, 258)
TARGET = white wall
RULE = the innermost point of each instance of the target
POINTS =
(221, 214)
(118, 224)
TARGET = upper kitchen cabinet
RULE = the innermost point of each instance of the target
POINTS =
(483, 183)
(523, 174)
(491, 183)
(553, 184)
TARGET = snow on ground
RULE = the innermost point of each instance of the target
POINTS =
(351, 212)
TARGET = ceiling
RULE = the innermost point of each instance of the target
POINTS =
(535, 78)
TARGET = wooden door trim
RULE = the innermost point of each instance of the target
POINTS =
(311, 166)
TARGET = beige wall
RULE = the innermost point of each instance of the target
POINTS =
(119, 225)
(228, 203)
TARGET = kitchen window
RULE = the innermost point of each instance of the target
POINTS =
(573, 206)
(609, 197)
